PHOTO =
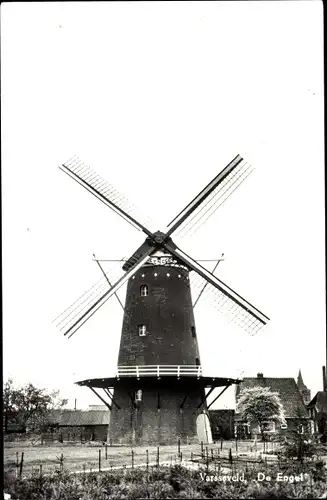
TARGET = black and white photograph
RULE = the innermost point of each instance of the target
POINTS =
(163, 240)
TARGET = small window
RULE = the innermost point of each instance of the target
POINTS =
(193, 331)
(138, 396)
(142, 330)
(144, 291)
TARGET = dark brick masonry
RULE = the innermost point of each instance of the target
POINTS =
(146, 423)
(167, 313)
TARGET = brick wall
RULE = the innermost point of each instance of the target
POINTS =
(148, 424)
(168, 315)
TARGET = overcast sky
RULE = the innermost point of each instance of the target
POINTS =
(158, 98)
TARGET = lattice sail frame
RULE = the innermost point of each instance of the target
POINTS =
(206, 202)
(215, 200)
(226, 307)
(218, 300)
(85, 173)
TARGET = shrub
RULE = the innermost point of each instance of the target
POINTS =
(164, 483)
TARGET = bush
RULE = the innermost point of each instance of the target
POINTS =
(163, 483)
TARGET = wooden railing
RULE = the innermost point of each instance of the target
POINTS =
(159, 371)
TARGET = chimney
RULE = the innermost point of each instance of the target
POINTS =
(324, 381)
(259, 375)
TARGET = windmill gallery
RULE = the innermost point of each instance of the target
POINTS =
(159, 393)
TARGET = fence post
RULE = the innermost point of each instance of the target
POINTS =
(191, 456)
(202, 451)
(17, 464)
(99, 460)
(221, 444)
(158, 452)
(236, 447)
(207, 456)
(40, 470)
(106, 451)
(179, 447)
(21, 465)
(211, 454)
(147, 459)
(181, 457)
(132, 459)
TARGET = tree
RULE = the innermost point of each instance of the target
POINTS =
(298, 444)
(29, 404)
(259, 405)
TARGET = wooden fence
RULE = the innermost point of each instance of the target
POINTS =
(218, 458)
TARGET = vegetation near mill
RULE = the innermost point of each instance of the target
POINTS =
(293, 467)
(173, 482)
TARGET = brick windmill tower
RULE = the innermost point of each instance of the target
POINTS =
(159, 393)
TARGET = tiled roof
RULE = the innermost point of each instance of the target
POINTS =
(78, 418)
(54, 416)
(286, 387)
(98, 407)
(320, 401)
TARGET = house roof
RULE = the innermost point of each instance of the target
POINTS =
(286, 387)
(98, 407)
(80, 418)
(319, 400)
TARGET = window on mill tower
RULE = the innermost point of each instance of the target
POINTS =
(144, 291)
(138, 396)
(142, 330)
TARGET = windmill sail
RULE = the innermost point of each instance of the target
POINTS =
(64, 320)
(106, 193)
(234, 176)
(232, 311)
(203, 205)
(83, 311)
(233, 303)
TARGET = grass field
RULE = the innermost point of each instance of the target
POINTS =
(177, 481)
(77, 456)
(171, 483)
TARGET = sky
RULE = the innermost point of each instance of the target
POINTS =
(158, 97)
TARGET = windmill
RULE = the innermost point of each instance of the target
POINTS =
(159, 392)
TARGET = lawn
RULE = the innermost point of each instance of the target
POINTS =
(175, 481)
(80, 456)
